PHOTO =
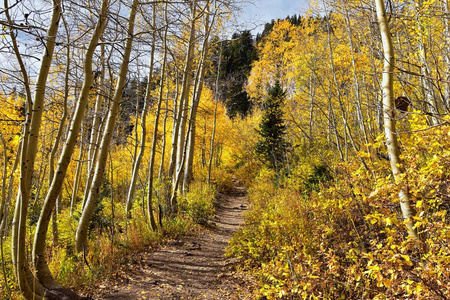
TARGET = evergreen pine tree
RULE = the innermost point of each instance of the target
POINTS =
(272, 145)
(237, 56)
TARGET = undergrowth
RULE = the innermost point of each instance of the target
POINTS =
(112, 243)
(336, 231)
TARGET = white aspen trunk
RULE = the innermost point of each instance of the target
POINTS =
(176, 183)
(91, 202)
(26, 282)
(312, 95)
(151, 163)
(173, 153)
(59, 133)
(161, 176)
(446, 9)
(188, 174)
(213, 134)
(427, 84)
(332, 126)
(185, 90)
(356, 86)
(180, 126)
(4, 178)
(29, 107)
(96, 124)
(78, 172)
(347, 132)
(190, 141)
(163, 147)
(389, 120)
(140, 155)
(43, 272)
(9, 193)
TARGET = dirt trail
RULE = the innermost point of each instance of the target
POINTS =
(192, 268)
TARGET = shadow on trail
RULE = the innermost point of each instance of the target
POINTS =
(193, 268)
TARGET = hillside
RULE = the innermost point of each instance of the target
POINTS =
(130, 131)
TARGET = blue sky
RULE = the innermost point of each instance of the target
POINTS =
(260, 12)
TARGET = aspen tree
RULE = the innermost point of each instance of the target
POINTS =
(213, 134)
(427, 84)
(91, 202)
(173, 152)
(27, 285)
(356, 84)
(60, 131)
(151, 163)
(178, 139)
(78, 171)
(3, 213)
(347, 130)
(446, 8)
(389, 119)
(29, 106)
(8, 190)
(3, 193)
(163, 147)
(26, 128)
(96, 126)
(188, 174)
(43, 273)
(142, 144)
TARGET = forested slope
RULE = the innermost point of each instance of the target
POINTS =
(121, 120)
(351, 197)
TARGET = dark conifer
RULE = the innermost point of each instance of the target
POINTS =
(272, 146)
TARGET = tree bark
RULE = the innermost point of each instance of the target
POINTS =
(91, 202)
(140, 155)
(389, 120)
(96, 127)
(43, 272)
(180, 126)
(151, 163)
(188, 174)
(27, 284)
(213, 134)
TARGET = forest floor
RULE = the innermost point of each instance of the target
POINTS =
(190, 268)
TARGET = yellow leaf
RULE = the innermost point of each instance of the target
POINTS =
(388, 221)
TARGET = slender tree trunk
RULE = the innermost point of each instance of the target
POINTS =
(447, 54)
(347, 132)
(27, 285)
(96, 127)
(173, 153)
(9, 193)
(138, 161)
(186, 87)
(60, 131)
(356, 85)
(3, 205)
(180, 126)
(427, 84)
(78, 172)
(91, 202)
(213, 134)
(188, 174)
(151, 163)
(163, 147)
(42, 270)
(389, 119)
(25, 130)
